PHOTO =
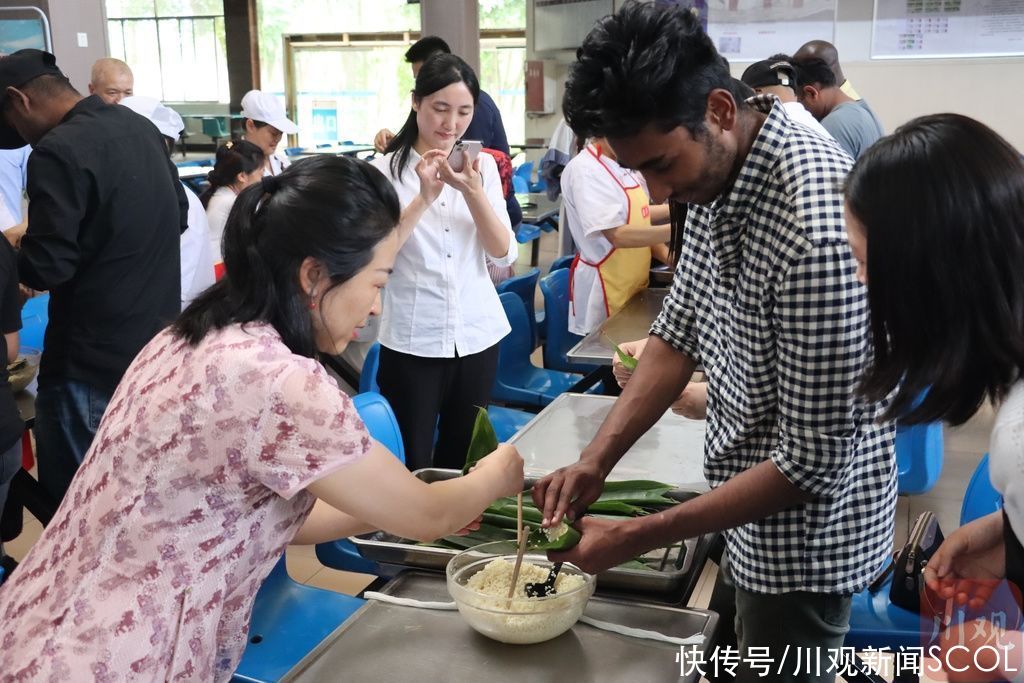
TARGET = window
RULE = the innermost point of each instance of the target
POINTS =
(175, 48)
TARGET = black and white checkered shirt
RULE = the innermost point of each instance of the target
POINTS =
(766, 299)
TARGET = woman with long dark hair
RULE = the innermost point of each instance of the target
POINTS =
(239, 164)
(226, 441)
(935, 217)
(442, 318)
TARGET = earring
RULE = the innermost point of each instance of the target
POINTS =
(312, 300)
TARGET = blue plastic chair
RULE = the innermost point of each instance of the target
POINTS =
(380, 421)
(506, 421)
(293, 151)
(524, 171)
(919, 451)
(519, 185)
(981, 497)
(288, 621)
(562, 262)
(518, 380)
(35, 315)
(525, 287)
(555, 288)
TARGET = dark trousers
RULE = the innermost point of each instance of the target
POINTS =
(814, 623)
(441, 393)
(68, 413)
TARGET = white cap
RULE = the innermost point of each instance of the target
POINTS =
(166, 120)
(262, 106)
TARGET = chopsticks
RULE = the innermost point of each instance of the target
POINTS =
(521, 539)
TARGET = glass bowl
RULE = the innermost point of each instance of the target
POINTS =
(521, 620)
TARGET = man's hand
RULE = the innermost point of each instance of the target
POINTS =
(603, 544)
(15, 234)
(381, 139)
(568, 492)
(634, 349)
(693, 402)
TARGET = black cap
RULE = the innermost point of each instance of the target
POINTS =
(769, 72)
(16, 70)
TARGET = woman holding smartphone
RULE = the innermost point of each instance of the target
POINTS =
(442, 319)
(940, 252)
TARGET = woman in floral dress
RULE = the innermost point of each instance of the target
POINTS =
(226, 441)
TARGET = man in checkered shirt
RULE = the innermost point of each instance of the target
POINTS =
(766, 299)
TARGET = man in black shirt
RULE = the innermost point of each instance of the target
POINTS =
(105, 214)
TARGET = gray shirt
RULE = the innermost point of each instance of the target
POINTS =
(854, 126)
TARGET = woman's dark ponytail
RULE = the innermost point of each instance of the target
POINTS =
(233, 157)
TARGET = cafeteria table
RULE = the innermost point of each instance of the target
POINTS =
(337, 150)
(630, 323)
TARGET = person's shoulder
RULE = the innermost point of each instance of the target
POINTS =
(486, 101)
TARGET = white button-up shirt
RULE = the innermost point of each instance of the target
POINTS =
(439, 301)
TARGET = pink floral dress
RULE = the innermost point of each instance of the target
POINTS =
(191, 491)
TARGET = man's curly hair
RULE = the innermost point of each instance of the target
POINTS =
(644, 65)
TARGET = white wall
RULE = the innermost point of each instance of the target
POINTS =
(990, 90)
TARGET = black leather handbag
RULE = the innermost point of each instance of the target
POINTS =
(908, 567)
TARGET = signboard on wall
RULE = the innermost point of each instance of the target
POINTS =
(750, 30)
(325, 121)
(907, 29)
(23, 27)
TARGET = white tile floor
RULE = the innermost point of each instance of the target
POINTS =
(964, 447)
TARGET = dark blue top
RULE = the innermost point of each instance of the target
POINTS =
(487, 127)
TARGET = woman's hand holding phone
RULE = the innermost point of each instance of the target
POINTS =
(468, 181)
(428, 170)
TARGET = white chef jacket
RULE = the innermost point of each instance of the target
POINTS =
(278, 163)
(196, 252)
(1006, 456)
(439, 301)
(593, 202)
(217, 210)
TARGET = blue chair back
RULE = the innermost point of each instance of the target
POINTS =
(35, 315)
(368, 375)
(919, 450)
(524, 171)
(380, 421)
(520, 185)
(288, 621)
(562, 262)
(518, 381)
(555, 288)
(525, 287)
(214, 127)
(981, 498)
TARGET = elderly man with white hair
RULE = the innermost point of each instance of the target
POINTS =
(196, 254)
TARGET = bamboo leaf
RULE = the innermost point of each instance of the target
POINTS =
(483, 441)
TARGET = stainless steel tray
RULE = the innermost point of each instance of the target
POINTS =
(393, 550)
(383, 642)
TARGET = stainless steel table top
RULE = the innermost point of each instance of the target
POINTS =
(631, 323)
(672, 451)
(537, 207)
(384, 642)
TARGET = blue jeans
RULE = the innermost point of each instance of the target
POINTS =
(68, 413)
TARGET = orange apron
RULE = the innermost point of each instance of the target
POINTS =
(623, 272)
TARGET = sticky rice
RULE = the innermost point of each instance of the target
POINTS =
(523, 619)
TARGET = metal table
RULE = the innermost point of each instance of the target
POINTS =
(337, 150)
(631, 323)
(396, 643)
(538, 209)
(672, 451)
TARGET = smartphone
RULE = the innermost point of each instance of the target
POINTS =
(464, 153)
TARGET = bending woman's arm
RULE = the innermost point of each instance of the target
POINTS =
(378, 492)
